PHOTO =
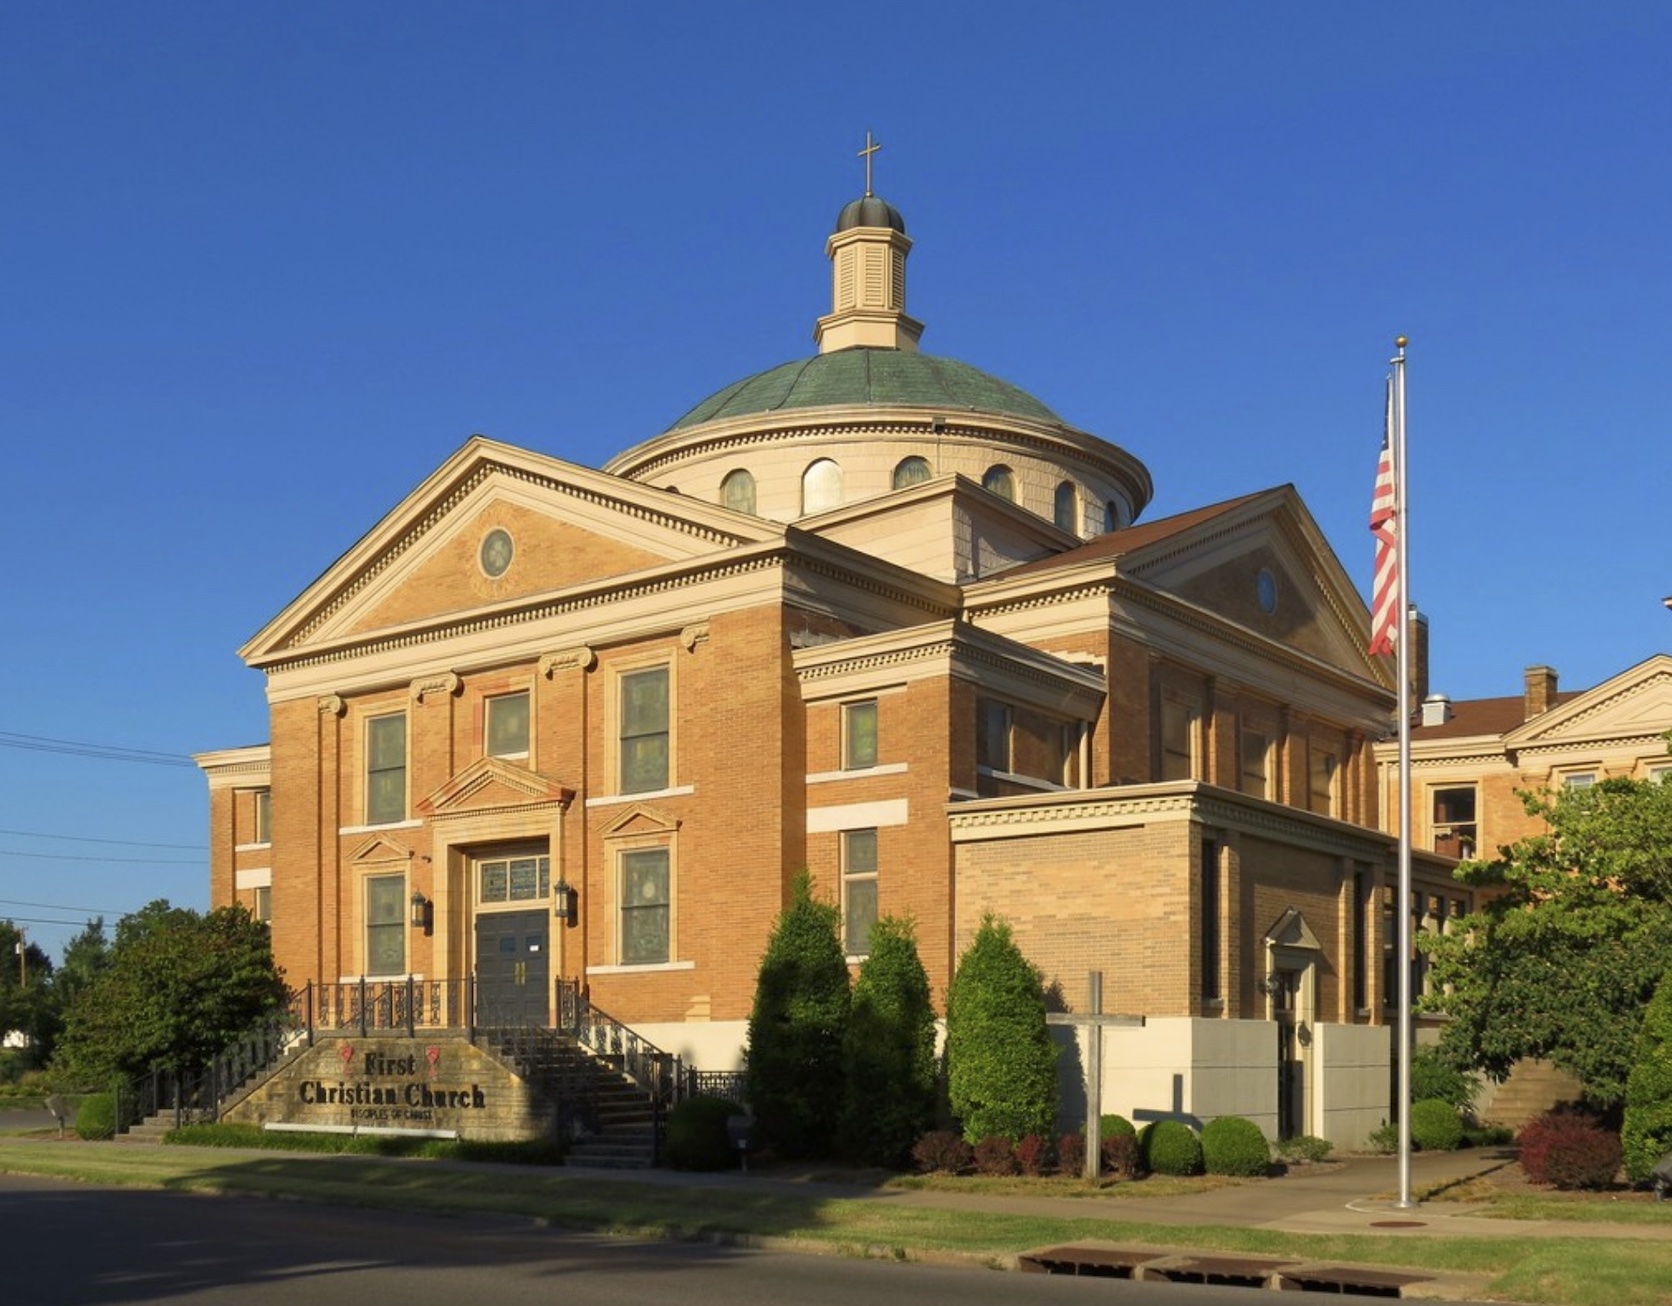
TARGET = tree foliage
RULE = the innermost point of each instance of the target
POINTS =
(1001, 1062)
(178, 987)
(1647, 1134)
(794, 1059)
(888, 1054)
(1564, 954)
(25, 990)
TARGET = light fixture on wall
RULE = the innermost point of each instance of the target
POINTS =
(420, 912)
(566, 903)
(1272, 984)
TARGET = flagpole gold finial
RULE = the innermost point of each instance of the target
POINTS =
(1400, 342)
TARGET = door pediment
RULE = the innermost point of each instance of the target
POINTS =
(490, 784)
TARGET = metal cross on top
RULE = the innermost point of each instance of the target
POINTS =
(871, 147)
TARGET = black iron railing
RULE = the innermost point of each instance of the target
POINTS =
(385, 1006)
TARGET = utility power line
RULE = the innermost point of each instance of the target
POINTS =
(130, 861)
(84, 838)
(106, 752)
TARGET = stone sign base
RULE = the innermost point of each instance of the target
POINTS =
(440, 1086)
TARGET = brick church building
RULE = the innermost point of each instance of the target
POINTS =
(876, 614)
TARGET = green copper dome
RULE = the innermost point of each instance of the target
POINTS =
(868, 376)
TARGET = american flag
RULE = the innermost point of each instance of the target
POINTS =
(1384, 525)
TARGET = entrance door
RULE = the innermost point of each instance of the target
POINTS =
(1291, 1081)
(513, 975)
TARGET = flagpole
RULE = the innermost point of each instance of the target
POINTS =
(1402, 651)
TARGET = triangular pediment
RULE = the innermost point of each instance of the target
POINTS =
(494, 527)
(1635, 704)
(380, 849)
(491, 783)
(1265, 566)
(1290, 930)
(641, 819)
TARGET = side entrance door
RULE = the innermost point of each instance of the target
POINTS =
(513, 970)
(1290, 1070)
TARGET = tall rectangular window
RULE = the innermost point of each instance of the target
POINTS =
(1321, 766)
(263, 910)
(1361, 963)
(1211, 987)
(386, 769)
(1256, 752)
(506, 727)
(859, 735)
(644, 907)
(263, 816)
(859, 890)
(1453, 823)
(644, 730)
(386, 925)
(992, 735)
(1178, 726)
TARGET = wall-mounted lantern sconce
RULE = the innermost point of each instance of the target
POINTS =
(1272, 984)
(566, 900)
(421, 907)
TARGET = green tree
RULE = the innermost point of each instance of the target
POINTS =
(179, 986)
(1562, 957)
(25, 993)
(1647, 1134)
(794, 1059)
(888, 1055)
(1001, 1062)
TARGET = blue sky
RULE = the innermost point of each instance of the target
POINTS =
(267, 264)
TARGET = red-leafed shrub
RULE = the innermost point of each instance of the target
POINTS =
(1568, 1149)
(1033, 1154)
(942, 1150)
(1071, 1154)
(1121, 1158)
(995, 1155)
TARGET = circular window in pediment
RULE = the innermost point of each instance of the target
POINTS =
(496, 552)
(1265, 589)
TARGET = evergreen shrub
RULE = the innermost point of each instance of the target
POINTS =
(1232, 1145)
(696, 1137)
(1112, 1126)
(1001, 1061)
(888, 1051)
(1170, 1147)
(1646, 1135)
(95, 1119)
(1436, 1126)
(1306, 1147)
(942, 1151)
(1569, 1150)
(793, 1065)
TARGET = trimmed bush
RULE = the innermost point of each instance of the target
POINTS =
(1115, 1126)
(1071, 1154)
(1307, 1147)
(1384, 1138)
(1170, 1147)
(942, 1151)
(888, 1052)
(1232, 1145)
(1569, 1150)
(1436, 1126)
(696, 1136)
(1120, 1158)
(995, 1155)
(1033, 1154)
(95, 1119)
(1001, 1062)
(1646, 1135)
(794, 1061)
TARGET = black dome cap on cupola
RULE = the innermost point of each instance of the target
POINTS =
(870, 211)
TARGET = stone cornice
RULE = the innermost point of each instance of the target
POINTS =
(232, 767)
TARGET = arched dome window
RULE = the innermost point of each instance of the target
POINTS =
(821, 487)
(1001, 481)
(1065, 508)
(738, 491)
(910, 471)
(1111, 517)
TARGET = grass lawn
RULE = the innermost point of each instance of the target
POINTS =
(1577, 1271)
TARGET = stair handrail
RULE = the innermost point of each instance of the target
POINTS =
(660, 1074)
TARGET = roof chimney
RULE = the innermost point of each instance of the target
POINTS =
(1436, 710)
(1418, 626)
(1541, 691)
